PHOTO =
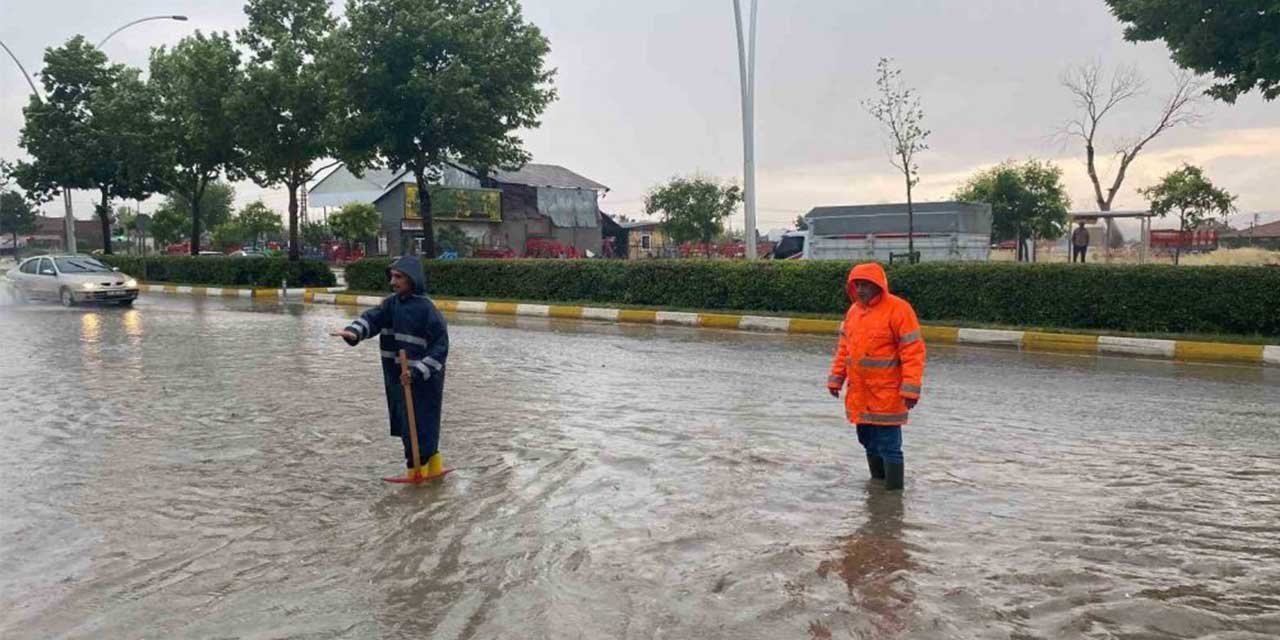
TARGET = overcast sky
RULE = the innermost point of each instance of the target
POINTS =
(649, 90)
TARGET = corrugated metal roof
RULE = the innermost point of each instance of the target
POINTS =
(341, 180)
(547, 175)
(340, 186)
(569, 208)
(638, 224)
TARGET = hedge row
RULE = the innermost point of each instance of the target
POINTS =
(226, 271)
(1150, 298)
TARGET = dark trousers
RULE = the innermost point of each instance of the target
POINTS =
(428, 445)
(883, 442)
(1078, 252)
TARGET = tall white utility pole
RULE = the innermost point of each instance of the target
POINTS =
(747, 67)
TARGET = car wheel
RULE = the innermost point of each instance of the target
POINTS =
(68, 298)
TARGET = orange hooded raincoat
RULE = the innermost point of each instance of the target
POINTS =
(880, 355)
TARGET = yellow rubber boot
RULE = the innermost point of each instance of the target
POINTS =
(413, 474)
(435, 465)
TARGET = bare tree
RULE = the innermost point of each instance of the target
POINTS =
(897, 107)
(1096, 96)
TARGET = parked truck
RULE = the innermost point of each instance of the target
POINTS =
(942, 231)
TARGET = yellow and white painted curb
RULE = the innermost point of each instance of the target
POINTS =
(233, 292)
(1179, 350)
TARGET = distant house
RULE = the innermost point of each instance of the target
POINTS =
(538, 203)
(342, 187)
(647, 239)
(1264, 236)
(50, 236)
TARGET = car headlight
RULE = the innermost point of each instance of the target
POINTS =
(89, 286)
(131, 283)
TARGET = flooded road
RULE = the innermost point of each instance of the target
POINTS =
(207, 468)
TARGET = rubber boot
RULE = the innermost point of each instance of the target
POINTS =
(893, 476)
(435, 465)
(876, 464)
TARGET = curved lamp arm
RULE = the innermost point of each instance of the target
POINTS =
(140, 20)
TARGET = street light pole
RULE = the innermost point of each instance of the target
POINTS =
(747, 69)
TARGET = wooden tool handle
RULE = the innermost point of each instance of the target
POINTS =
(413, 420)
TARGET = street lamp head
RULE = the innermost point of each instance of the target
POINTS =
(141, 20)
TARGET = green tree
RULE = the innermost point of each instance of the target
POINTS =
(1028, 200)
(1187, 192)
(259, 222)
(229, 234)
(422, 82)
(55, 128)
(16, 216)
(169, 223)
(355, 222)
(282, 105)
(135, 224)
(122, 134)
(897, 108)
(316, 234)
(195, 129)
(1235, 40)
(802, 223)
(693, 209)
(124, 220)
(217, 205)
(142, 226)
(93, 132)
(453, 238)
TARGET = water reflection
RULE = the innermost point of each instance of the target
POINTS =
(90, 327)
(132, 321)
(875, 563)
(91, 338)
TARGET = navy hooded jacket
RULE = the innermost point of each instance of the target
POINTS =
(414, 324)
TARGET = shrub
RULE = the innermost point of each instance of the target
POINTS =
(1145, 298)
(220, 271)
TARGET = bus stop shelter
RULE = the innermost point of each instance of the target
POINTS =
(1109, 218)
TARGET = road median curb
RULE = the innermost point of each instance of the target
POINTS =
(1039, 341)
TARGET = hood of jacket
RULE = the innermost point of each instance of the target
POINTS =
(871, 272)
(411, 266)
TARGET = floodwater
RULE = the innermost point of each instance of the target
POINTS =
(210, 469)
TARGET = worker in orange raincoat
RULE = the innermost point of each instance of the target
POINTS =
(879, 363)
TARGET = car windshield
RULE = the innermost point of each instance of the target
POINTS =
(81, 265)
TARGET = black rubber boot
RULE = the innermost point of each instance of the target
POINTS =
(893, 476)
(876, 464)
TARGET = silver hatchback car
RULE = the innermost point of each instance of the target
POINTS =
(72, 279)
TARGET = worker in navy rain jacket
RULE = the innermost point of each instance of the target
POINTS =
(408, 320)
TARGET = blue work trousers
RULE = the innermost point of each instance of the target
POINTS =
(884, 442)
